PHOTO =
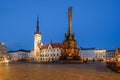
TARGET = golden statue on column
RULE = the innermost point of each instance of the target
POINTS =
(70, 50)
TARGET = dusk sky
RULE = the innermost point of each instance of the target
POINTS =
(96, 23)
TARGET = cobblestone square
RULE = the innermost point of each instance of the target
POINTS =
(33, 71)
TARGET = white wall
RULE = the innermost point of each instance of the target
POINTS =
(18, 54)
(93, 54)
(50, 54)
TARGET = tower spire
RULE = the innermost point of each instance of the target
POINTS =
(51, 41)
(37, 26)
(70, 19)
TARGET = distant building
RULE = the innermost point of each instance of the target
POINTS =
(50, 52)
(3, 51)
(110, 54)
(31, 55)
(117, 55)
(88, 53)
(93, 54)
(100, 54)
(18, 55)
(113, 55)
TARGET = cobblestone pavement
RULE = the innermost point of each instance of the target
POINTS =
(33, 71)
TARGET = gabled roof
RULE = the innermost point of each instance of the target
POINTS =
(53, 45)
(56, 45)
(44, 46)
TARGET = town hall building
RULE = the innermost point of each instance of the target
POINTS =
(47, 52)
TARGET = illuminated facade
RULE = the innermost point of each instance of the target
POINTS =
(100, 54)
(50, 52)
(70, 50)
(110, 54)
(31, 54)
(114, 63)
(117, 55)
(3, 51)
(19, 55)
(37, 41)
(93, 54)
(87, 53)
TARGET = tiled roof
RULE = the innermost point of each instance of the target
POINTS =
(44, 46)
(54, 45)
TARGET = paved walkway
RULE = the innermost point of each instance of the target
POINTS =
(31, 71)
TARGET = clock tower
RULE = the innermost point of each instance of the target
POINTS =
(37, 41)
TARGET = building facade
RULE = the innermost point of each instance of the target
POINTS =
(31, 55)
(50, 52)
(100, 54)
(93, 54)
(70, 50)
(46, 53)
(110, 54)
(3, 51)
(19, 55)
(87, 53)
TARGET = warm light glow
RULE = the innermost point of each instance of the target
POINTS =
(70, 54)
(6, 60)
(118, 59)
